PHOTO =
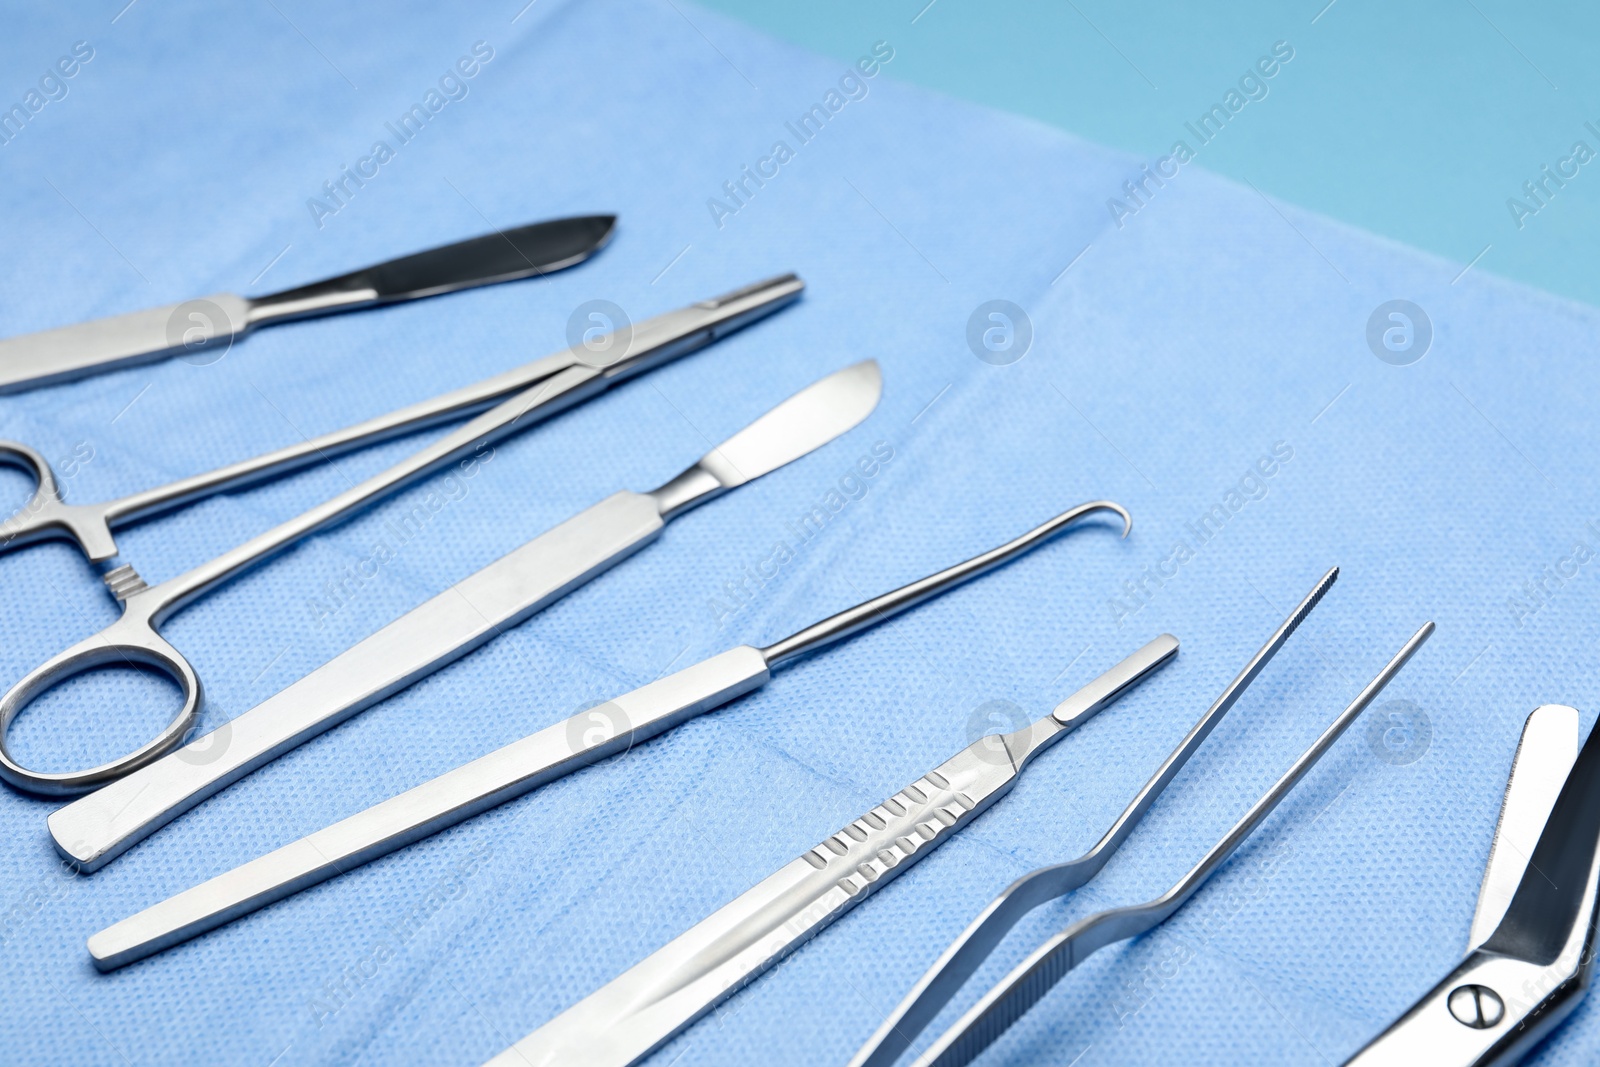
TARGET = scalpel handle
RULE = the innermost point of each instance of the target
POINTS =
(84, 348)
(430, 807)
(638, 1012)
(204, 328)
(97, 828)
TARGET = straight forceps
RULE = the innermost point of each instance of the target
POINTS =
(515, 400)
(1030, 980)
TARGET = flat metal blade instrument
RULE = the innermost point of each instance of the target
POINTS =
(71, 352)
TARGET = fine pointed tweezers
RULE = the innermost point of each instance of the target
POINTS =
(637, 1013)
(1030, 980)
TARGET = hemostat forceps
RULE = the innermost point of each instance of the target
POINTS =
(637, 1013)
(1530, 953)
(1030, 980)
(523, 765)
(520, 398)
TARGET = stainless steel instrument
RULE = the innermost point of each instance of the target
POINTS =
(558, 382)
(212, 322)
(524, 765)
(571, 376)
(1530, 953)
(1036, 975)
(96, 828)
(637, 1013)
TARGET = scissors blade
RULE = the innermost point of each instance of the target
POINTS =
(1535, 968)
(1544, 756)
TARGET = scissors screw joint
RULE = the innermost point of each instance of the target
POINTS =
(1476, 1006)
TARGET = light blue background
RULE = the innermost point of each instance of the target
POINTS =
(1168, 357)
(1416, 121)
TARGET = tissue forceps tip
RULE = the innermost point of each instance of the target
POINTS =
(962, 959)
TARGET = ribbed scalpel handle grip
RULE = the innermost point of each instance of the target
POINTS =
(662, 995)
(891, 836)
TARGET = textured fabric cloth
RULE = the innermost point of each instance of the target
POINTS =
(1206, 362)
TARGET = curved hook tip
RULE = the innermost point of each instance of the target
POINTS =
(1108, 505)
(1083, 510)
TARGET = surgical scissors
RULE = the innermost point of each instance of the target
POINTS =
(1531, 950)
(514, 400)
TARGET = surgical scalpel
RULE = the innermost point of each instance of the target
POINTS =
(1031, 979)
(72, 352)
(559, 382)
(637, 1013)
(96, 828)
(1530, 953)
(527, 764)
